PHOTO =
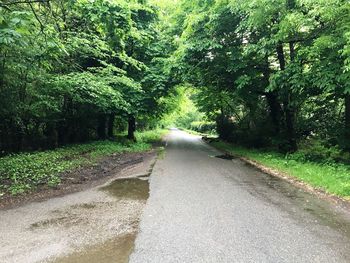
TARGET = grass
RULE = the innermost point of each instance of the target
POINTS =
(151, 136)
(23, 172)
(192, 132)
(334, 178)
(198, 133)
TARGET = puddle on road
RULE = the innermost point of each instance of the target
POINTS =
(118, 249)
(129, 188)
(115, 250)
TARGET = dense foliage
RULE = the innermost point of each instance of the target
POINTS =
(270, 73)
(71, 69)
(24, 172)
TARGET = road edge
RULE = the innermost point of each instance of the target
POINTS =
(320, 193)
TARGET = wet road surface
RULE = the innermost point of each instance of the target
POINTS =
(95, 225)
(207, 209)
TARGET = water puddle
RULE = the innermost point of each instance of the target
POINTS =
(225, 157)
(115, 250)
(129, 188)
(118, 249)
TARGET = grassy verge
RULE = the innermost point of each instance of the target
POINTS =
(334, 178)
(23, 172)
(152, 136)
(198, 133)
(192, 132)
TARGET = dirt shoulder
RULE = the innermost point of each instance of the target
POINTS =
(96, 223)
(80, 179)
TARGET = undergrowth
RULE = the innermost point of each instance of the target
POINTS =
(23, 172)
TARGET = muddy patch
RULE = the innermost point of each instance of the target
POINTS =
(80, 179)
(129, 188)
(97, 224)
(115, 250)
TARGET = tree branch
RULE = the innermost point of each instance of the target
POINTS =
(24, 2)
(37, 18)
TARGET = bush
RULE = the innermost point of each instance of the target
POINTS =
(203, 127)
(318, 151)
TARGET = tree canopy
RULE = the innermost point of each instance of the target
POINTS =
(269, 73)
(69, 68)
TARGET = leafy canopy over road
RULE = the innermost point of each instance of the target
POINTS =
(269, 73)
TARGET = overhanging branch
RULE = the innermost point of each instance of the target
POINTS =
(23, 2)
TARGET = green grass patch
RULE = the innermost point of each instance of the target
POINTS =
(23, 172)
(333, 178)
(151, 136)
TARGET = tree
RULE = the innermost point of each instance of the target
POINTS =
(270, 66)
(70, 67)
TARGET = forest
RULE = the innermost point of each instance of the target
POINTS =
(73, 71)
(270, 73)
(264, 74)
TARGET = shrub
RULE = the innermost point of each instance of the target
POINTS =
(203, 127)
(318, 151)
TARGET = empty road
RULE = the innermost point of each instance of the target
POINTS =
(206, 209)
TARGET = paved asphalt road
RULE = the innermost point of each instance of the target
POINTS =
(206, 209)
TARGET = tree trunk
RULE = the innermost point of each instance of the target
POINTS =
(290, 129)
(61, 133)
(101, 127)
(280, 56)
(131, 127)
(272, 101)
(275, 111)
(111, 125)
(51, 136)
(62, 125)
(288, 109)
